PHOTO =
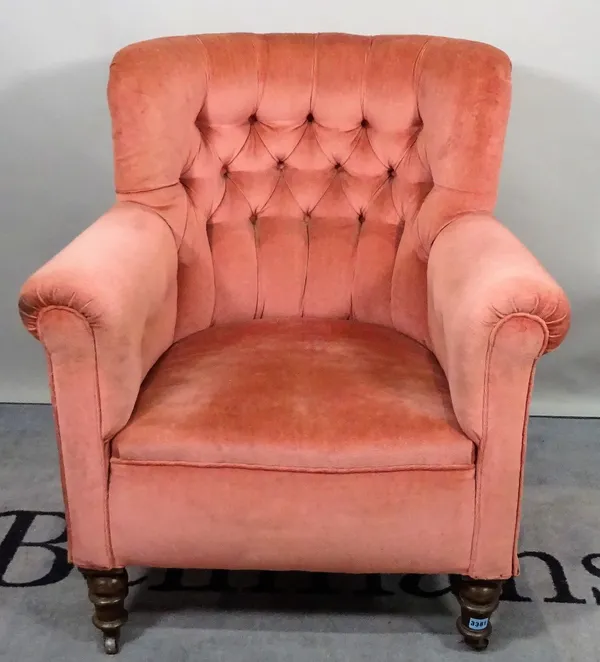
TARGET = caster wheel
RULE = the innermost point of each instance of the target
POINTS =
(111, 645)
(477, 644)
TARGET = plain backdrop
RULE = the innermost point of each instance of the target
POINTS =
(55, 148)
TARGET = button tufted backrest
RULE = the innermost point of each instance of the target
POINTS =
(308, 174)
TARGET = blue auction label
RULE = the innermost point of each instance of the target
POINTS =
(478, 623)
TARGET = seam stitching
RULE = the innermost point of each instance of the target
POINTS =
(59, 442)
(485, 413)
(521, 470)
(289, 469)
(363, 80)
(106, 467)
(417, 75)
(189, 206)
(313, 74)
(150, 189)
(418, 71)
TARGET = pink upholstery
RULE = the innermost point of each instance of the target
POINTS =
(241, 518)
(340, 189)
(346, 396)
(307, 174)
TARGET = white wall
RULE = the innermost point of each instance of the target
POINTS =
(55, 159)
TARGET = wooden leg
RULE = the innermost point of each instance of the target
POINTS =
(107, 590)
(478, 599)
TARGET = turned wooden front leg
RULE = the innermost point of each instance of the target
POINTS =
(107, 590)
(478, 599)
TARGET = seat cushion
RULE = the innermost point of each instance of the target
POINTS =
(303, 395)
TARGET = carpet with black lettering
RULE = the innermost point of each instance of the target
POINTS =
(551, 613)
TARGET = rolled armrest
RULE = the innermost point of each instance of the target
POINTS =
(481, 278)
(117, 281)
(492, 312)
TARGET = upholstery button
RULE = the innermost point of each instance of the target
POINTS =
(364, 123)
(391, 172)
(310, 118)
(252, 119)
(225, 171)
(361, 217)
(280, 164)
(338, 166)
(253, 218)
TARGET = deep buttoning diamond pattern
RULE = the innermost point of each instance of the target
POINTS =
(306, 174)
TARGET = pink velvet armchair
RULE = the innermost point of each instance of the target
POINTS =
(299, 340)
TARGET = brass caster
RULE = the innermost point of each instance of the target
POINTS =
(477, 644)
(111, 644)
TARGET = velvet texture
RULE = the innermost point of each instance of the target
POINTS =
(347, 338)
(345, 396)
(242, 518)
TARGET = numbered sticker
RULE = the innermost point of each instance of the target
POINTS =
(478, 623)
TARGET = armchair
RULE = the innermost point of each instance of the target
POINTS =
(299, 340)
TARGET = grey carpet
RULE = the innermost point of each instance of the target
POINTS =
(235, 617)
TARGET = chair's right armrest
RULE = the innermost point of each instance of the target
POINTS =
(105, 309)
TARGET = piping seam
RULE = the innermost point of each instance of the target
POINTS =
(107, 536)
(288, 469)
(485, 414)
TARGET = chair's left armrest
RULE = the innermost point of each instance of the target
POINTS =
(105, 309)
(492, 312)
(118, 280)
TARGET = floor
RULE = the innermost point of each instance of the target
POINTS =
(550, 614)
